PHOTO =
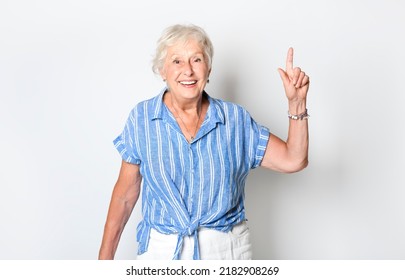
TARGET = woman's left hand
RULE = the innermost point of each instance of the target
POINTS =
(295, 81)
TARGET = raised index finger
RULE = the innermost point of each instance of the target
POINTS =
(289, 63)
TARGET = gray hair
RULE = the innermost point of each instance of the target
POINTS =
(181, 33)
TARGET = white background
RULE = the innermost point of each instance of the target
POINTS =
(70, 71)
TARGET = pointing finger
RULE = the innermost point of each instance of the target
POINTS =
(289, 62)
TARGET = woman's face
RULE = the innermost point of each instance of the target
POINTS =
(185, 69)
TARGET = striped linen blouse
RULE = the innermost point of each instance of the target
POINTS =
(191, 185)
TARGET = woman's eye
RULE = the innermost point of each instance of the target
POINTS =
(197, 60)
(176, 61)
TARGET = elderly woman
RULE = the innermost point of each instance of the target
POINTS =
(193, 153)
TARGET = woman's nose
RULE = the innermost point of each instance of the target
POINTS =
(188, 69)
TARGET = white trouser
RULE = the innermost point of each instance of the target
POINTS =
(214, 245)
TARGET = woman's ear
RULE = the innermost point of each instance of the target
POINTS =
(163, 75)
(208, 77)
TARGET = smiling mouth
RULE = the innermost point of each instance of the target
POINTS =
(188, 83)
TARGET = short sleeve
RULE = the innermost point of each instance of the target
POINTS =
(127, 143)
(256, 138)
(263, 134)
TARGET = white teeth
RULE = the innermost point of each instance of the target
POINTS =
(188, 82)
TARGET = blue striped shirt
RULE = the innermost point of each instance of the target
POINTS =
(191, 185)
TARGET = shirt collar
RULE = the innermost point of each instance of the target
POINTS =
(158, 105)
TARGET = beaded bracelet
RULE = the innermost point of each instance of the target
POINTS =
(302, 116)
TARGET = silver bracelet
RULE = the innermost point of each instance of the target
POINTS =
(302, 116)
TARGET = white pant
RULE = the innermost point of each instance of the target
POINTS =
(214, 245)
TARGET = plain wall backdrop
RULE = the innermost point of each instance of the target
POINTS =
(70, 72)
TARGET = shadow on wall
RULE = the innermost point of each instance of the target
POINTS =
(261, 192)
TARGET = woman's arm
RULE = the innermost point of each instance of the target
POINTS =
(123, 200)
(291, 155)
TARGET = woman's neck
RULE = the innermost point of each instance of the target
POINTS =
(187, 106)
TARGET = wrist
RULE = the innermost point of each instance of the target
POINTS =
(297, 107)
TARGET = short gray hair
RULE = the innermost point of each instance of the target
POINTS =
(181, 33)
